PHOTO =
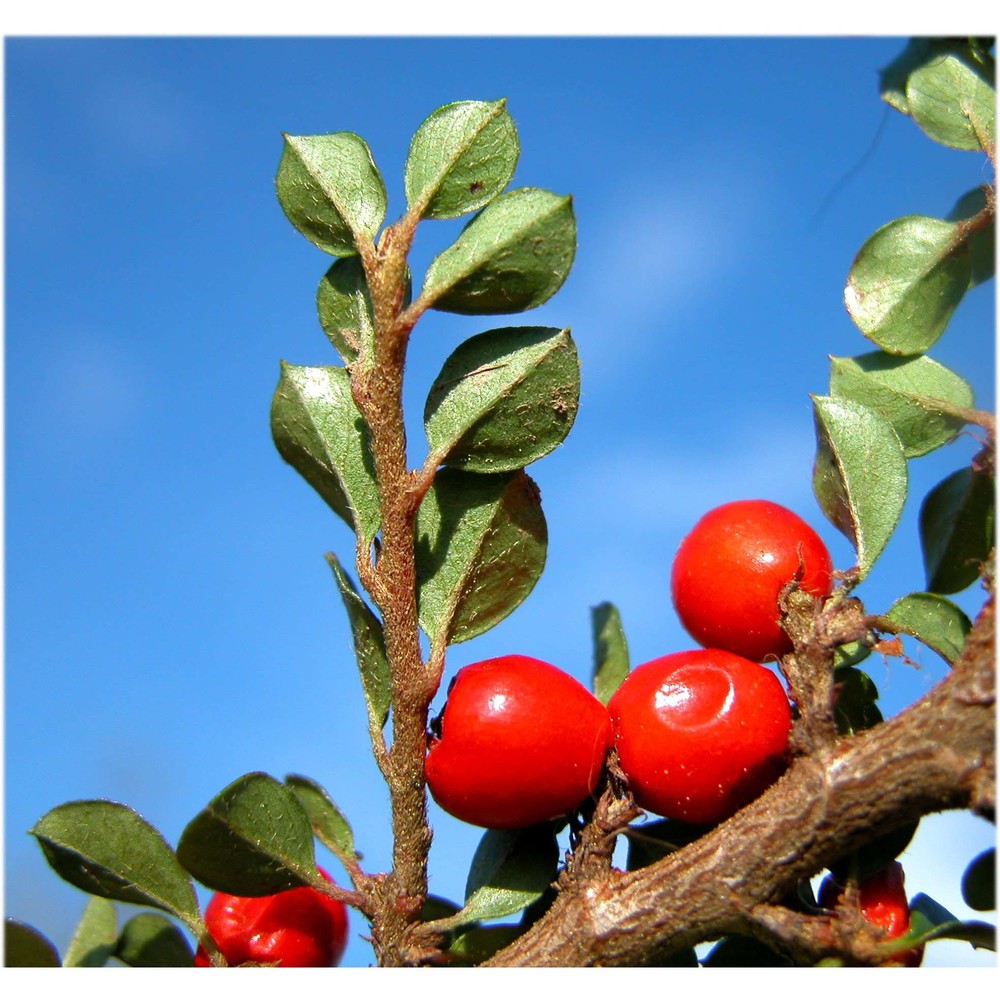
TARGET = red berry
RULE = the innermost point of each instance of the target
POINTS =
(882, 901)
(297, 928)
(701, 733)
(730, 570)
(521, 742)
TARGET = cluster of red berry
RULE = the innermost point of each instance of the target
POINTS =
(699, 733)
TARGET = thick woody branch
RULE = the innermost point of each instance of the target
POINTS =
(938, 754)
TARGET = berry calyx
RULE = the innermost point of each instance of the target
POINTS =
(296, 928)
(881, 900)
(731, 568)
(521, 742)
(700, 733)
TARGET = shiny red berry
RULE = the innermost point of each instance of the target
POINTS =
(732, 567)
(700, 733)
(296, 928)
(520, 742)
(882, 901)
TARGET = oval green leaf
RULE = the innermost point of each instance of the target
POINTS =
(253, 839)
(982, 241)
(860, 475)
(109, 850)
(26, 948)
(856, 707)
(957, 530)
(906, 282)
(320, 432)
(461, 158)
(979, 883)
(150, 940)
(953, 101)
(331, 190)
(915, 394)
(369, 648)
(504, 399)
(611, 660)
(328, 822)
(481, 545)
(934, 620)
(510, 870)
(345, 307)
(96, 935)
(930, 921)
(514, 255)
(476, 944)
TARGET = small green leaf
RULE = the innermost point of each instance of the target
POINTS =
(504, 399)
(514, 255)
(328, 822)
(914, 394)
(109, 850)
(957, 530)
(150, 940)
(953, 101)
(331, 190)
(510, 869)
(934, 620)
(857, 701)
(892, 78)
(979, 883)
(253, 839)
(860, 475)
(982, 242)
(461, 158)
(851, 653)
(930, 921)
(95, 936)
(649, 842)
(319, 431)
(26, 948)
(906, 282)
(345, 307)
(476, 944)
(369, 648)
(611, 660)
(481, 544)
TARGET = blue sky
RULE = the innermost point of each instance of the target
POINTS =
(170, 620)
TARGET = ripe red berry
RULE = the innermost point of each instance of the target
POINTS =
(521, 742)
(701, 733)
(730, 570)
(882, 901)
(297, 928)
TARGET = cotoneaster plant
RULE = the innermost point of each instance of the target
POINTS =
(731, 569)
(520, 742)
(297, 928)
(700, 733)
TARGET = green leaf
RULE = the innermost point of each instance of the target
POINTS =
(874, 856)
(328, 822)
(907, 280)
(851, 653)
(514, 255)
(461, 158)
(369, 648)
(504, 399)
(860, 475)
(736, 951)
(253, 839)
(95, 936)
(857, 701)
(914, 394)
(957, 530)
(934, 620)
(611, 660)
(109, 850)
(476, 944)
(331, 190)
(982, 242)
(26, 948)
(892, 78)
(953, 101)
(979, 883)
(150, 940)
(481, 544)
(930, 921)
(510, 869)
(320, 432)
(345, 307)
(649, 842)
